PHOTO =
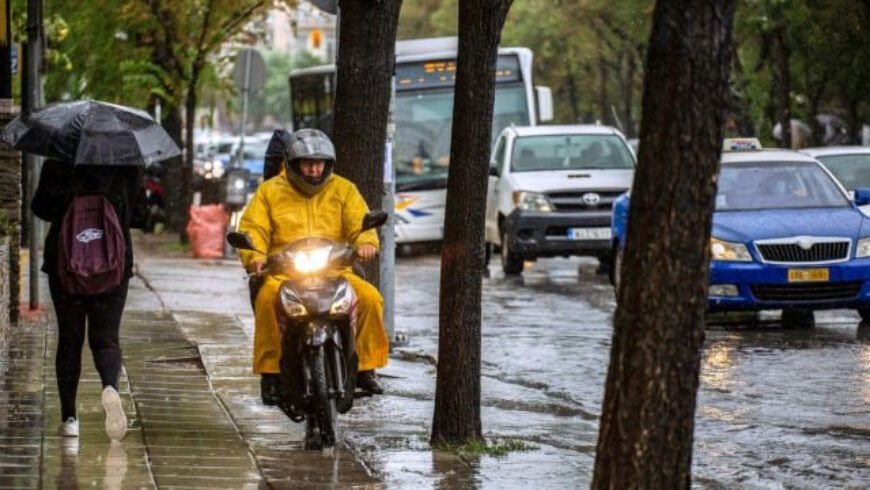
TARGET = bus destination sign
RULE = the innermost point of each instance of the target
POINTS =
(442, 73)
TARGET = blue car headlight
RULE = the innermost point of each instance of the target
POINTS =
(863, 248)
(729, 251)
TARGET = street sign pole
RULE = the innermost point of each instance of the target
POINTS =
(388, 248)
(33, 162)
(246, 88)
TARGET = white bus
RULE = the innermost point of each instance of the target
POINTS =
(425, 76)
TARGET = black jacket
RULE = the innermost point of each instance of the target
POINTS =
(119, 184)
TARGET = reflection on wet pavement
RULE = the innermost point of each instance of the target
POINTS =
(778, 407)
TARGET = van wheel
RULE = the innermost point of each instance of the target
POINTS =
(511, 264)
(800, 319)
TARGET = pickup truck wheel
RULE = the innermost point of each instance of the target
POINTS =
(865, 314)
(511, 264)
(487, 254)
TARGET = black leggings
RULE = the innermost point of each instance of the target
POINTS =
(102, 313)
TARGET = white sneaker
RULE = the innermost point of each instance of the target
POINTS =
(116, 419)
(69, 428)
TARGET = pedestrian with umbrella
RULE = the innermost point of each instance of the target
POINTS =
(87, 191)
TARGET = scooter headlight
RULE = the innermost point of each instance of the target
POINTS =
(292, 304)
(343, 300)
(308, 261)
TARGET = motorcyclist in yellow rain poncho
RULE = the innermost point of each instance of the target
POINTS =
(308, 200)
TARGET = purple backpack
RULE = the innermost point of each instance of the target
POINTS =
(91, 247)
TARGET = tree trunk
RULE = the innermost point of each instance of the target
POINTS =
(647, 420)
(603, 97)
(572, 97)
(365, 66)
(457, 393)
(176, 206)
(628, 96)
(187, 164)
(782, 83)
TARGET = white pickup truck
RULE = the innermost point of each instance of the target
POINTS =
(551, 190)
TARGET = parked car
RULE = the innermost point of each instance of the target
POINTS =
(785, 236)
(849, 164)
(551, 189)
(252, 159)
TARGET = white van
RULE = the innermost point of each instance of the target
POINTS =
(551, 190)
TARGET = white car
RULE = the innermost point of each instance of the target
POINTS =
(850, 164)
(551, 189)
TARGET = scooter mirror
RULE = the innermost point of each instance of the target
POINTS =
(240, 241)
(374, 219)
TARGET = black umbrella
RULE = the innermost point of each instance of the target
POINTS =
(90, 132)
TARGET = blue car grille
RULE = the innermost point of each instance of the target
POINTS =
(793, 253)
(807, 292)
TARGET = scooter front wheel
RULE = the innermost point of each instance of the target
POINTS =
(324, 434)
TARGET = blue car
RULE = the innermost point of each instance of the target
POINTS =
(785, 236)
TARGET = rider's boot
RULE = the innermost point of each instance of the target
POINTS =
(368, 381)
(269, 389)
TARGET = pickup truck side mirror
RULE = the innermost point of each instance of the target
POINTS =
(493, 170)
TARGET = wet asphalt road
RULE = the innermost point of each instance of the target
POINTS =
(778, 407)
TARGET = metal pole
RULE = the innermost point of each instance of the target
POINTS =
(34, 28)
(388, 248)
(246, 88)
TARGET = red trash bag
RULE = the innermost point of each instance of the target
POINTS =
(206, 229)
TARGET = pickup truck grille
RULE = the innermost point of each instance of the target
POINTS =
(588, 200)
(822, 251)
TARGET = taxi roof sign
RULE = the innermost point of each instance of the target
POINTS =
(741, 144)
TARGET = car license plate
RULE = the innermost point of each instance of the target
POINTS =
(589, 234)
(808, 275)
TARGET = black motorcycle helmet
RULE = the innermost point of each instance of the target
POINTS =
(309, 144)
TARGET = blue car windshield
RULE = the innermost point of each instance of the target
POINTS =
(776, 185)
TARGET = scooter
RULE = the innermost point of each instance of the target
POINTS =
(316, 312)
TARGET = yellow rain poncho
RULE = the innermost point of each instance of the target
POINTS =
(277, 216)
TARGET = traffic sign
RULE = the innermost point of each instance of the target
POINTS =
(249, 70)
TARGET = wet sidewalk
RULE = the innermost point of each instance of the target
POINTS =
(196, 421)
(188, 427)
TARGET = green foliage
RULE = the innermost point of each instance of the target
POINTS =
(496, 448)
(828, 50)
(7, 227)
(271, 107)
(583, 50)
(591, 53)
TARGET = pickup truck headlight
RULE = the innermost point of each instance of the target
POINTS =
(863, 248)
(722, 250)
(532, 201)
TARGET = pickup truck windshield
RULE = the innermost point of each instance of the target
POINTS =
(570, 152)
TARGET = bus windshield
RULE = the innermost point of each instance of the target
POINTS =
(423, 127)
